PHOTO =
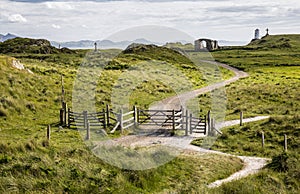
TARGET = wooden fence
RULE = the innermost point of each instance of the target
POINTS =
(163, 119)
(80, 120)
(197, 125)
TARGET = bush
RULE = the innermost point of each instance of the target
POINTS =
(279, 163)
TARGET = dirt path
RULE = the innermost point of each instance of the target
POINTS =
(251, 164)
(174, 102)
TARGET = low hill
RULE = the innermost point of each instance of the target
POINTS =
(272, 50)
(31, 163)
(27, 45)
(270, 42)
(277, 41)
(140, 52)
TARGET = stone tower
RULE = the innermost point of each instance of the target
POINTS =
(256, 34)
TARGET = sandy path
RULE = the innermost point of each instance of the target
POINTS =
(175, 101)
(251, 164)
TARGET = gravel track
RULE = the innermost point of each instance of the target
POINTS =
(251, 164)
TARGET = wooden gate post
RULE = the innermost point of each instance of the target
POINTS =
(64, 106)
(48, 132)
(85, 119)
(205, 126)
(88, 131)
(241, 118)
(69, 123)
(61, 116)
(135, 115)
(173, 121)
(262, 139)
(121, 120)
(104, 119)
(107, 115)
(191, 126)
(182, 117)
(208, 123)
(186, 123)
(138, 116)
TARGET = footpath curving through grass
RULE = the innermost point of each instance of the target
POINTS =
(271, 89)
(30, 163)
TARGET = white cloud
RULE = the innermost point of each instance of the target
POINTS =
(60, 5)
(17, 18)
(56, 26)
(227, 19)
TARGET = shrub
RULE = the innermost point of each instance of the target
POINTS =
(279, 163)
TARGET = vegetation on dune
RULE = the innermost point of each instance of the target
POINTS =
(271, 51)
(27, 45)
(271, 89)
(29, 102)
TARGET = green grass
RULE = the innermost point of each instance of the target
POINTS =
(37, 166)
(30, 163)
(28, 103)
(271, 89)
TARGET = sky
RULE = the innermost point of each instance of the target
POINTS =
(67, 20)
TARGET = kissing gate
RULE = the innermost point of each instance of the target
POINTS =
(147, 121)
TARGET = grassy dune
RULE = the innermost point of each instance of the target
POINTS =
(271, 89)
(30, 163)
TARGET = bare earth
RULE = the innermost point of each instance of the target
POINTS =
(251, 164)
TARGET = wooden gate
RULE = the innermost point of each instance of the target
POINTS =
(156, 119)
(80, 120)
(197, 125)
(161, 118)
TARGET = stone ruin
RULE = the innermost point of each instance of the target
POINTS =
(206, 44)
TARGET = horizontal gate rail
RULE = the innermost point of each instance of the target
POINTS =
(164, 119)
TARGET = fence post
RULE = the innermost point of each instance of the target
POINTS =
(191, 126)
(66, 114)
(104, 119)
(208, 123)
(205, 129)
(285, 142)
(241, 118)
(138, 116)
(85, 119)
(186, 123)
(88, 131)
(107, 115)
(48, 132)
(121, 120)
(262, 139)
(68, 124)
(61, 116)
(135, 115)
(173, 121)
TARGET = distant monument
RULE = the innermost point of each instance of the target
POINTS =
(267, 32)
(256, 34)
(95, 46)
(206, 44)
